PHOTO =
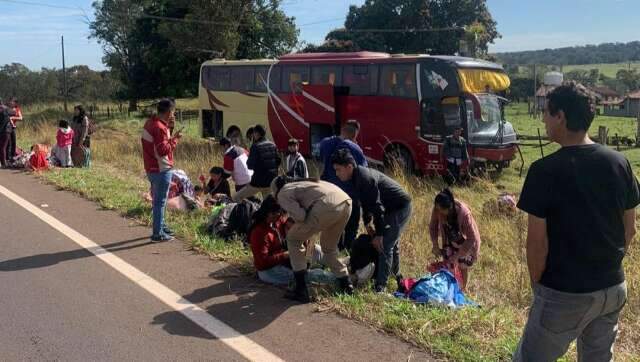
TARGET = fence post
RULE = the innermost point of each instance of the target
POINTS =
(180, 116)
(108, 112)
(602, 135)
(617, 143)
(638, 131)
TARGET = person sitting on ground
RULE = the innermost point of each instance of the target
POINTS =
(64, 140)
(453, 222)
(266, 239)
(456, 155)
(264, 160)
(315, 207)
(295, 163)
(218, 184)
(384, 201)
(235, 164)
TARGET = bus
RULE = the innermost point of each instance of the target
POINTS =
(406, 104)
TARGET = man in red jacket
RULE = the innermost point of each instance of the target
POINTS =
(158, 146)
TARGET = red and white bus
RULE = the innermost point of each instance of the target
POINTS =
(406, 104)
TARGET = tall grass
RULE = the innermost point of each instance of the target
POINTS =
(499, 280)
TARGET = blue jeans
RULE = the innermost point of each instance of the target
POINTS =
(160, 182)
(557, 318)
(278, 275)
(389, 259)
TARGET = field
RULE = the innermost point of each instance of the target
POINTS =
(609, 70)
(499, 281)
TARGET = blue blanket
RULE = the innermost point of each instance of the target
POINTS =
(440, 288)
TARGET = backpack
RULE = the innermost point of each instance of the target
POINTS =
(91, 127)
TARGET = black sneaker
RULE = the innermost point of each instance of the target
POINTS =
(161, 238)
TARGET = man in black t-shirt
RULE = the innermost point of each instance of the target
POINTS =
(581, 203)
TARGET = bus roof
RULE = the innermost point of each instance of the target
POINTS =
(376, 57)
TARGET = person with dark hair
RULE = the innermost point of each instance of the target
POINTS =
(295, 162)
(265, 236)
(385, 202)
(453, 222)
(218, 184)
(249, 137)
(264, 161)
(14, 119)
(234, 134)
(455, 154)
(158, 146)
(581, 202)
(82, 138)
(5, 133)
(64, 139)
(315, 207)
(235, 164)
(328, 146)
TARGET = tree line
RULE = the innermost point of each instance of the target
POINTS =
(588, 54)
(47, 85)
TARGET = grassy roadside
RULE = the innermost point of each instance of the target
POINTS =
(498, 281)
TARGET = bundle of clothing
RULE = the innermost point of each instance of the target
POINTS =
(181, 195)
(233, 219)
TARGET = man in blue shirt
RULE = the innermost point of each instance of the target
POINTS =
(328, 146)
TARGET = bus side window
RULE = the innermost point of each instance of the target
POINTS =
(260, 78)
(216, 78)
(274, 78)
(293, 77)
(242, 78)
(326, 75)
(398, 80)
(362, 79)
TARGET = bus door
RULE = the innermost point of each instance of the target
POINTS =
(320, 113)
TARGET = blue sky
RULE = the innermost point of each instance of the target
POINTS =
(31, 34)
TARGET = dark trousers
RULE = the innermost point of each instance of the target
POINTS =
(4, 143)
(351, 230)
(11, 147)
(389, 259)
(453, 173)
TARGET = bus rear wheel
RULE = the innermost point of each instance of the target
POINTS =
(398, 157)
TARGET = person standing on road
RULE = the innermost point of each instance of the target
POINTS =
(382, 200)
(235, 164)
(328, 146)
(5, 133)
(81, 137)
(158, 146)
(17, 117)
(264, 160)
(581, 203)
(315, 207)
(456, 155)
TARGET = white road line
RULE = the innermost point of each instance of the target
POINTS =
(229, 336)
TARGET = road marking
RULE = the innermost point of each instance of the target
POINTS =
(229, 336)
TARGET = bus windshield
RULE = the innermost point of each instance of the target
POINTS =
(487, 127)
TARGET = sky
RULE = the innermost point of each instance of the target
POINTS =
(31, 33)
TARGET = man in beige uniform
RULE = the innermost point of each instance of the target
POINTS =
(315, 207)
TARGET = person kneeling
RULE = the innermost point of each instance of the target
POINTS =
(269, 257)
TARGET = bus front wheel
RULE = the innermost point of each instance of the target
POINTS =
(399, 157)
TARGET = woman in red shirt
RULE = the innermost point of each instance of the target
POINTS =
(266, 237)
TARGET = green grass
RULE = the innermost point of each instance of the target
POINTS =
(498, 281)
(609, 70)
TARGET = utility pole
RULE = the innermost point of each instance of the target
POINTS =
(64, 77)
(535, 89)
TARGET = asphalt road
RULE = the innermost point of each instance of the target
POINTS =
(60, 302)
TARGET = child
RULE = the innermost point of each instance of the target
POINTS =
(64, 139)
(296, 165)
(218, 184)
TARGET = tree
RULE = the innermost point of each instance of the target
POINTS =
(156, 47)
(417, 26)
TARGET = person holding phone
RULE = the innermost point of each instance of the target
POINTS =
(158, 145)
